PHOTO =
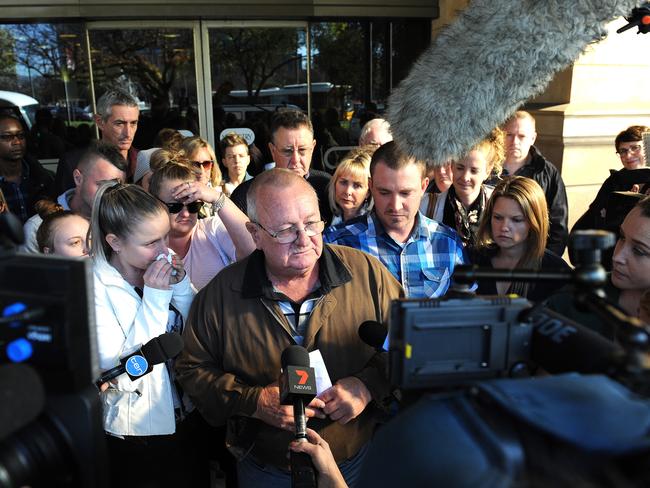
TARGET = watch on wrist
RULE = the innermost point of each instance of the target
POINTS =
(218, 205)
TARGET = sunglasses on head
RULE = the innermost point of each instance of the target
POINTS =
(176, 207)
(203, 164)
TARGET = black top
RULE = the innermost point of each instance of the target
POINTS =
(536, 291)
(317, 179)
(36, 183)
(547, 175)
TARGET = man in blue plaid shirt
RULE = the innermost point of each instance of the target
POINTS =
(421, 253)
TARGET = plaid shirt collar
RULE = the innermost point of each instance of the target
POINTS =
(423, 228)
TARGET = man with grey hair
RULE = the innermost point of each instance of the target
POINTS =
(292, 290)
(101, 162)
(375, 132)
(117, 119)
(292, 146)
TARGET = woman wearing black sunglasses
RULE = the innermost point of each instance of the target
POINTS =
(204, 245)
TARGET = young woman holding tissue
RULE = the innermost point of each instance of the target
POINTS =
(204, 245)
(137, 298)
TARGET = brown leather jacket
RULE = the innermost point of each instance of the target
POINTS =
(235, 335)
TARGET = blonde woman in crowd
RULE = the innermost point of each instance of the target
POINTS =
(462, 205)
(348, 191)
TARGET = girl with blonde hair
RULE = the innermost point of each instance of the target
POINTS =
(348, 192)
(463, 204)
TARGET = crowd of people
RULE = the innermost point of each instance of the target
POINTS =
(183, 239)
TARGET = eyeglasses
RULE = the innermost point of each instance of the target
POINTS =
(203, 164)
(176, 207)
(9, 137)
(289, 151)
(290, 234)
(632, 149)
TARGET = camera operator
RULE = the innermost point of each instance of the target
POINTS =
(630, 275)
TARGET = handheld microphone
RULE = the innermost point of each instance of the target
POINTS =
(298, 388)
(560, 345)
(141, 362)
(375, 335)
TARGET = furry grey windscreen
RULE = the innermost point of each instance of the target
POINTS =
(496, 55)
(646, 147)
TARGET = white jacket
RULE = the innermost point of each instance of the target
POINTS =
(125, 322)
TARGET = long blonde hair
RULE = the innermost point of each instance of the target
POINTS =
(192, 144)
(356, 163)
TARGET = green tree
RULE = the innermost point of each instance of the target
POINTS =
(253, 59)
(7, 54)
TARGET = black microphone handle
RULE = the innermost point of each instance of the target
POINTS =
(110, 374)
(300, 418)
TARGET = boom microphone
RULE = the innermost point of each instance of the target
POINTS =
(139, 363)
(496, 55)
(298, 388)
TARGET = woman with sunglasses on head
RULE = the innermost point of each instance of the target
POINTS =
(139, 296)
(204, 245)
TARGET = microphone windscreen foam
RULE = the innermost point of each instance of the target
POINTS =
(373, 333)
(22, 397)
(165, 346)
(294, 356)
(496, 55)
(646, 147)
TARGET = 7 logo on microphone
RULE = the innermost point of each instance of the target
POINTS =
(301, 380)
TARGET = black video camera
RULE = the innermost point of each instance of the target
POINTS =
(48, 324)
(438, 342)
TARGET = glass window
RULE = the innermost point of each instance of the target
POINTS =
(156, 65)
(44, 77)
(254, 72)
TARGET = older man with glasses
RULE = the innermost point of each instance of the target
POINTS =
(23, 180)
(292, 290)
(292, 147)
